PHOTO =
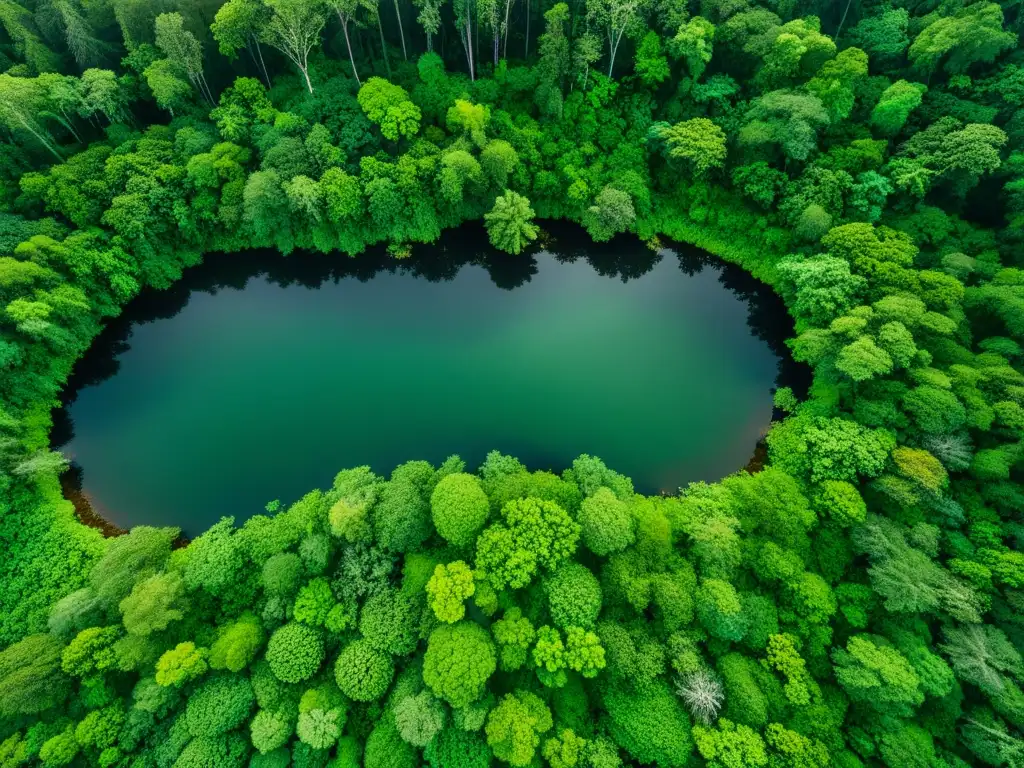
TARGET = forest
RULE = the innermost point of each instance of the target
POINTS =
(858, 602)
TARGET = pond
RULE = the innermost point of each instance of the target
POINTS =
(258, 377)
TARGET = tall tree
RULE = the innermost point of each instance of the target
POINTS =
(698, 143)
(24, 42)
(694, 42)
(554, 60)
(21, 102)
(504, 28)
(373, 8)
(401, 30)
(489, 17)
(135, 17)
(67, 19)
(238, 24)
(294, 29)
(65, 96)
(430, 19)
(103, 94)
(586, 52)
(346, 11)
(618, 18)
(464, 23)
(183, 50)
(169, 90)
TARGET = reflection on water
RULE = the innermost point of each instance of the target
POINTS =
(281, 386)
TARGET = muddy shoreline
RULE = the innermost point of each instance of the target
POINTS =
(88, 513)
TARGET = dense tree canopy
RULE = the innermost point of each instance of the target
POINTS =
(857, 602)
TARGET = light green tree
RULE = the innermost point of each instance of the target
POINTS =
(510, 223)
(294, 29)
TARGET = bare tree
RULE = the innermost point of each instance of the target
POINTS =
(702, 694)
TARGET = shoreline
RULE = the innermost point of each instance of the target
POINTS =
(85, 511)
(87, 514)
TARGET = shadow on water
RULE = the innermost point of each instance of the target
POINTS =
(624, 258)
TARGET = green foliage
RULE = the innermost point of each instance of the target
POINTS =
(385, 748)
(31, 676)
(143, 550)
(515, 725)
(448, 589)
(237, 644)
(90, 651)
(282, 574)
(419, 718)
(270, 731)
(459, 508)
(295, 652)
(153, 604)
(612, 213)
(363, 673)
(389, 106)
(895, 105)
(458, 662)
(856, 601)
(536, 534)
(730, 745)
(574, 597)
(583, 652)
(699, 145)
(181, 664)
(877, 675)
(401, 516)
(514, 634)
(314, 603)
(650, 725)
(605, 522)
(510, 223)
(220, 704)
(388, 621)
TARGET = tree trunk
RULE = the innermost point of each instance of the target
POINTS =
(207, 91)
(527, 54)
(66, 122)
(842, 21)
(469, 44)
(263, 64)
(348, 44)
(504, 43)
(401, 32)
(383, 45)
(43, 141)
(252, 47)
(614, 49)
(305, 74)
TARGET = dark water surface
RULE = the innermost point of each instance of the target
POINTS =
(258, 377)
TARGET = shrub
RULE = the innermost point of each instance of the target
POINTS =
(295, 652)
